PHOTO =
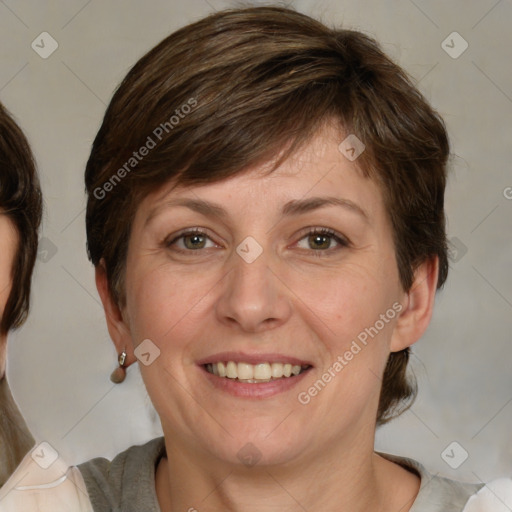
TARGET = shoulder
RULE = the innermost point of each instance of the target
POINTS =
(440, 494)
(128, 481)
(44, 483)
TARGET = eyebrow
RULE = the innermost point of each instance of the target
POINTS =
(300, 206)
(291, 208)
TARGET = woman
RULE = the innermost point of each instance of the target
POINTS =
(39, 470)
(265, 215)
(20, 216)
(281, 240)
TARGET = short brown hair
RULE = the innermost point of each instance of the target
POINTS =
(264, 79)
(21, 202)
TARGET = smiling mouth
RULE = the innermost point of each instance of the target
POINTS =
(254, 373)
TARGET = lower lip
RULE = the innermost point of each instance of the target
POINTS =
(258, 390)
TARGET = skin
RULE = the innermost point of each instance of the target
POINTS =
(8, 242)
(289, 300)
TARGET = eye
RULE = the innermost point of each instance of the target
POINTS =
(190, 240)
(322, 240)
(319, 240)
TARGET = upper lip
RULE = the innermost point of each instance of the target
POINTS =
(243, 357)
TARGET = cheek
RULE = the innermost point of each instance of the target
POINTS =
(5, 289)
(346, 301)
(162, 303)
(346, 309)
(357, 318)
(8, 246)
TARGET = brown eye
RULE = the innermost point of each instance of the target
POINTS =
(322, 240)
(191, 240)
(194, 241)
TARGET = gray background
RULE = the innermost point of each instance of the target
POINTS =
(59, 363)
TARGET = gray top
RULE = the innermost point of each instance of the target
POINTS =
(127, 484)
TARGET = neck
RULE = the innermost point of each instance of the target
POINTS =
(15, 439)
(348, 478)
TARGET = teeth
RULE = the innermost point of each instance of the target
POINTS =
(245, 371)
(231, 370)
(262, 372)
(277, 370)
(221, 369)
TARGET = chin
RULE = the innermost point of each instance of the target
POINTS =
(262, 443)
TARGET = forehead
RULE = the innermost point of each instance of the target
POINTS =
(318, 168)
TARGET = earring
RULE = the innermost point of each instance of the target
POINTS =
(119, 374)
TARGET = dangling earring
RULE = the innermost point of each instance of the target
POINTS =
(119, 374)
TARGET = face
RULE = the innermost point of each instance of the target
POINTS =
(8, 242)
(260, 275)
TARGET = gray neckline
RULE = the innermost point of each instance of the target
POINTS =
(134, 471)
(437, 493)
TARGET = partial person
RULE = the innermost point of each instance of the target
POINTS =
(20, 217)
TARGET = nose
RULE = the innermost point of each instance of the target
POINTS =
(253, 296)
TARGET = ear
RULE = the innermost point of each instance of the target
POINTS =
(117, 325)
(418, 305)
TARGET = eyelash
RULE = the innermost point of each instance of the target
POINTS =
(342, 242)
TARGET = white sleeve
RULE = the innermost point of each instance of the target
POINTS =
(495, 496)
(56, 489)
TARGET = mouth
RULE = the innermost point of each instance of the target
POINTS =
(255, 373)
(248, 375)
